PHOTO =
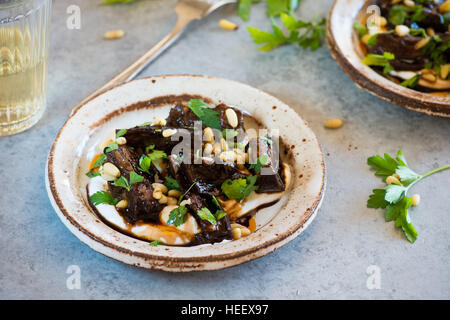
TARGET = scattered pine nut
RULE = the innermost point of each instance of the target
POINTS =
(409, 3)
(228, 25)
(185, 202)
(334, 123)
(159, 186)
(232, 118)
(208, 149)
(429, 77)
(415, 199)
(114, 34)
(393, 180)
(174, 193)
(380, 21)
(109, 171)
(172, 201)
(169, 132)
(164, 199)
(365, 38)
(401, 30)
(445, 7)
(421, 43)
(157, 194)
(236, 233)
(157, 121)
(430, 32)
(445, 69)
(208, 134)
(122, 204)
(121, 141)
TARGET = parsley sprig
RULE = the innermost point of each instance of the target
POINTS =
(380, 61)
(273, 7)
(103, 197)
(209, 117)
(97, 164)
(239, 188)
(305, 34)
(124, 183)
(393, 198)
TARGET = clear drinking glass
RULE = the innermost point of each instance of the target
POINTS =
(24, 36)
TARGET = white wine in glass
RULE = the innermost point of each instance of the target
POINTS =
(23, 63)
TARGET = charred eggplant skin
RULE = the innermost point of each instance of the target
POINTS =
(141, 204)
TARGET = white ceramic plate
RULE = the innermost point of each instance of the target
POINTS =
(138, 101)
(342, 43)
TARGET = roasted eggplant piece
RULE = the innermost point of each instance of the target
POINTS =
(141, 204)
(210, 233)
(270, 179)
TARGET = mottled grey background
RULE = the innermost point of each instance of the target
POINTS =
(329, 260)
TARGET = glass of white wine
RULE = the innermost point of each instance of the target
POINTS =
(24, 36)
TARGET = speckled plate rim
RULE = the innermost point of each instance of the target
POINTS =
(341, 45)
(300, 209)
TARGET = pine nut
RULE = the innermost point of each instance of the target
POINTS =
(415, 199)
(157, 194)
(208, 160)
(445, 69)
(185, 202)
(228, 25)
(421, 43)
(244, 231)
(157, 121)
(401, 30)
(409, 3)
(122, 204)
(114, 34)
(174, 193)
(208, 134)
(172, 200)
(429, 77)
(216, 148)
(163, 199)
(169, 132)
(232, 118)
(445, 7)
(380, 21)
(121, 141)
(110, 170)
(223, 144)
(430, 32)
(396, 176)
(208, 149)
(228, 156)
(393, 180)
(236, 233)
(159, 186)
(365, 38)
(333, 123)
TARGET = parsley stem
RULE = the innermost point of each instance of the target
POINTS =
(429, 173)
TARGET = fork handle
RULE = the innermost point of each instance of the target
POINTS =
(134, 69)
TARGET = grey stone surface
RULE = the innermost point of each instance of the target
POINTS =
(329, 260)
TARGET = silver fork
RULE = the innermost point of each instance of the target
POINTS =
(187, 11)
